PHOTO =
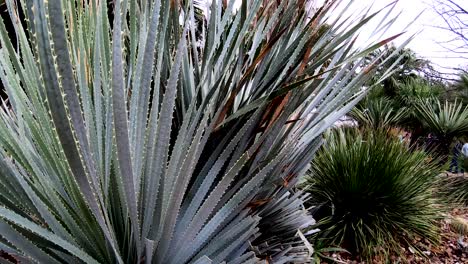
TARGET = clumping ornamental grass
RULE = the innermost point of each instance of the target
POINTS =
(371, 194)
(455, 188)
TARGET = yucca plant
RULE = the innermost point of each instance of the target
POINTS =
(445, 121)
(378, 113)
(132, 135)
(371, 195)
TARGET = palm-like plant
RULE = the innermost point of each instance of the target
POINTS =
(445, 121)
(378, 113)
(371, 194)
(135, 140)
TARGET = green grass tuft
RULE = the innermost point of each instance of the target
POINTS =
(371, 193)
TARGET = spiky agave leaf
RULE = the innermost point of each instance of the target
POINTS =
(282, 218)
(127, 139)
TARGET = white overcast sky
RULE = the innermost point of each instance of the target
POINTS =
(425, 43)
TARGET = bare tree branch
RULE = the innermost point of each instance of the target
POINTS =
(455, 16)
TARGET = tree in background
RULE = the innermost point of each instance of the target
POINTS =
(406, 67)
(455, 15)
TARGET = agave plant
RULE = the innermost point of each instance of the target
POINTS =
(445, 121)
(378, 113)
(371, 194)
(131, 135)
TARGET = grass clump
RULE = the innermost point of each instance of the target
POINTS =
(455, 189)
(459, 225)
(371, 193)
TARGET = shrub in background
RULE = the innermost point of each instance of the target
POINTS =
(371, 193)
(413, 90)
